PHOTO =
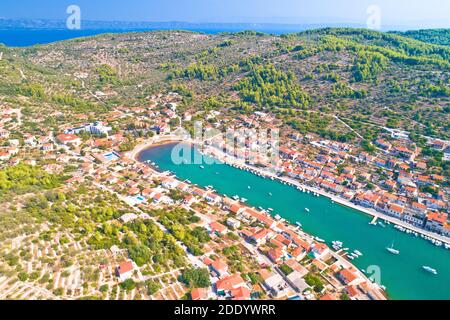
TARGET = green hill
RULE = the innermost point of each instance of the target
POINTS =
(369, 78)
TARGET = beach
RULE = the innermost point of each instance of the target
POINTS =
(327, 220)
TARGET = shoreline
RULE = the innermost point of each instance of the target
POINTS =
(239, 164)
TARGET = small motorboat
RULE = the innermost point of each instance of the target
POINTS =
(429, 269)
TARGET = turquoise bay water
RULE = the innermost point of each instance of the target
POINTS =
(402, 274)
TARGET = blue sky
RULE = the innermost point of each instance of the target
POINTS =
(421, 13)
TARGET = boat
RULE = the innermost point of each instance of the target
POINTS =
(277, 217)
(249, 187)
(298, 224)
(319, 239)
(392, 250)
(270, 209)
(337, 243)
(306, 209)
(270, 193)
(243, 200)
(429, 269)
(202, 167)
(358, 253)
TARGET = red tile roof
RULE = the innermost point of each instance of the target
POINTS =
(347, 275)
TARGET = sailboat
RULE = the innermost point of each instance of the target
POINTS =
(392, 250)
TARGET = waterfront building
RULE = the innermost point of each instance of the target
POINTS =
(226, 285)
(349, 277)
(200, 294)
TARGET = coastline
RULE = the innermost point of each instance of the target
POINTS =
(228, 160)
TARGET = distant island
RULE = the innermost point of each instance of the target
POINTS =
(363, 123)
